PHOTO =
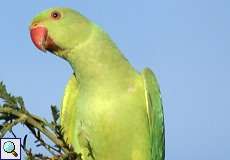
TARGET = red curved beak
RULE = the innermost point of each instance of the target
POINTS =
(39, 36)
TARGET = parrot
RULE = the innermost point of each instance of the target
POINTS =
(109, 111)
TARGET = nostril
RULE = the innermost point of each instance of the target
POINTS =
(33, 25)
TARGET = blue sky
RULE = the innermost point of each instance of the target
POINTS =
(186, 43)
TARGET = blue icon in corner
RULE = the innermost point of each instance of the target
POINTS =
(10, 149)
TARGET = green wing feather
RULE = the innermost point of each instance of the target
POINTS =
(155, 114)
(69, 109)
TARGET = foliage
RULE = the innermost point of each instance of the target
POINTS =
(13, 112)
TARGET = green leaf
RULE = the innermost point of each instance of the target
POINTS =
(55, 113)
(21, 103)
(24, 141)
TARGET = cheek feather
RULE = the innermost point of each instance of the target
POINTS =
(51, 45)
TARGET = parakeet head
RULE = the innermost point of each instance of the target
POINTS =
(58, 30)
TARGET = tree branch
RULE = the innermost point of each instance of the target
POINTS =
(13, 112)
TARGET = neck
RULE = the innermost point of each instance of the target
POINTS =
(99, 60)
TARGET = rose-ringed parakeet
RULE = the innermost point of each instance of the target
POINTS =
(109, 111)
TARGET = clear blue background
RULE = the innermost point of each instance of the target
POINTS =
(186, 43)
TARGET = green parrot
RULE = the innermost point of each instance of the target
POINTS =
(109, 110)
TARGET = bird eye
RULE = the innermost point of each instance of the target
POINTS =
(56, 15)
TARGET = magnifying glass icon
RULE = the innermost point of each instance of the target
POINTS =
(9, 147)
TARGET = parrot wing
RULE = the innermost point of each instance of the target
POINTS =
(155, 114)
(69, 108)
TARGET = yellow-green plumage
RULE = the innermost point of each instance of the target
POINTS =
(109, 110)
